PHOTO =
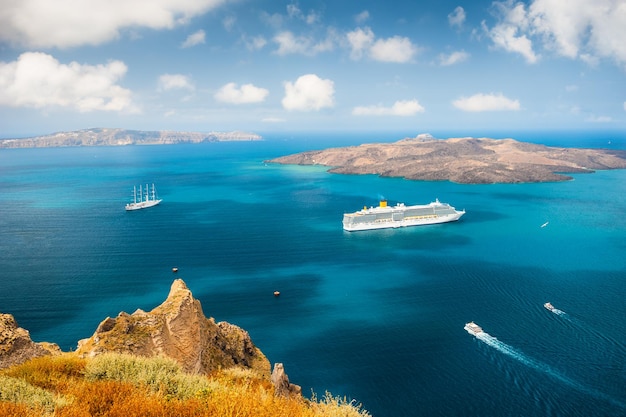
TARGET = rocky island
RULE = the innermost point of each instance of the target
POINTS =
(462, 160)
(123, 137)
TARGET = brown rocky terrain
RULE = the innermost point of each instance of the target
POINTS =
(462, 160)
(177, 329)
(16, 345)
(122, 137)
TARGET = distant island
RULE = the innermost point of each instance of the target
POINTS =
(461, 160)
(123, 137)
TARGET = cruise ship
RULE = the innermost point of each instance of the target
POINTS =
(400, 215)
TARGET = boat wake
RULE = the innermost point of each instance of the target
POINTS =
(542, 367)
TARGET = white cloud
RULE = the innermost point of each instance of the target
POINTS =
(360, 40)
(175, 82)
(486, 102)
(38, 80)
(457, 17)
(294, 12)
(399, 108)
(577, 29)
(362, 17)
(255, 43)
(309, 92)
(395, 49)
(510, 33)
(194, 39)
(453, 58)
(68, 23)
(247, 93)
(288, 43)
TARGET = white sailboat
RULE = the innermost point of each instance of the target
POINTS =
(145, 198)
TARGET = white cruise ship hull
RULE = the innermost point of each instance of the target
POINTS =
(384, 217)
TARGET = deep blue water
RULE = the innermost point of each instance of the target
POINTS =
(374, 316)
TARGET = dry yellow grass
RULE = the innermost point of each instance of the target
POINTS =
(124, 386)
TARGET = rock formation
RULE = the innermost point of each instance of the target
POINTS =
(16, 345)
(177, 329)
(462, 160)
(281, 383)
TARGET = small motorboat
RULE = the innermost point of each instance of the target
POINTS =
(549, 307)
(473, 328)
(276, 293)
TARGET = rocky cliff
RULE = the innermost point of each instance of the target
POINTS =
(121, 137)
(16, 345)
(461, 160)
(177, 329)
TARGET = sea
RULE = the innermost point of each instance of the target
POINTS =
(375, 317)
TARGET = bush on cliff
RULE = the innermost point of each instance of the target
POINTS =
(115, 385)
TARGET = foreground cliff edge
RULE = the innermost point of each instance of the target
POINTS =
(173, 356)
(461, 160)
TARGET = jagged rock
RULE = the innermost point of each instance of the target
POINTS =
(16, 345)
(177, 329)
(282, 386)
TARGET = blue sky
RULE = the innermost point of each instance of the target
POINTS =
(297, 66)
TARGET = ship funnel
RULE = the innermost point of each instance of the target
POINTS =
(383, 203)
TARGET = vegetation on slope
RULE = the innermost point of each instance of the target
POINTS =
(114, 385)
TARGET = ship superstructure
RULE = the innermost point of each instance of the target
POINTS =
(400, 215)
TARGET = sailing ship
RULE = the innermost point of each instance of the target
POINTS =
(145, 198)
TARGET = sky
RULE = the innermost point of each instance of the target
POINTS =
(317, 65)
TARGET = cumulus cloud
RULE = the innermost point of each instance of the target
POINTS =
(360, 41)
(399, 108)
(194, 39)
(457, 17)
(38, 80)
(486, 102)
(288, 43)
(247, 93)
(395, 49)
(175, 82)
(309, 92)
(577, 29)
(68, 23)
(453, 58)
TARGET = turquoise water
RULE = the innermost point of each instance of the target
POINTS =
(376, 316)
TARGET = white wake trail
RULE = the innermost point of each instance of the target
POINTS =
(542, 367)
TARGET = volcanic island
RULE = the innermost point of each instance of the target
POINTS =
(462, 160)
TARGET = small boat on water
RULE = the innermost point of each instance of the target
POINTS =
(143, 199)
(545, 224)
(550, 307)
(473, 328)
